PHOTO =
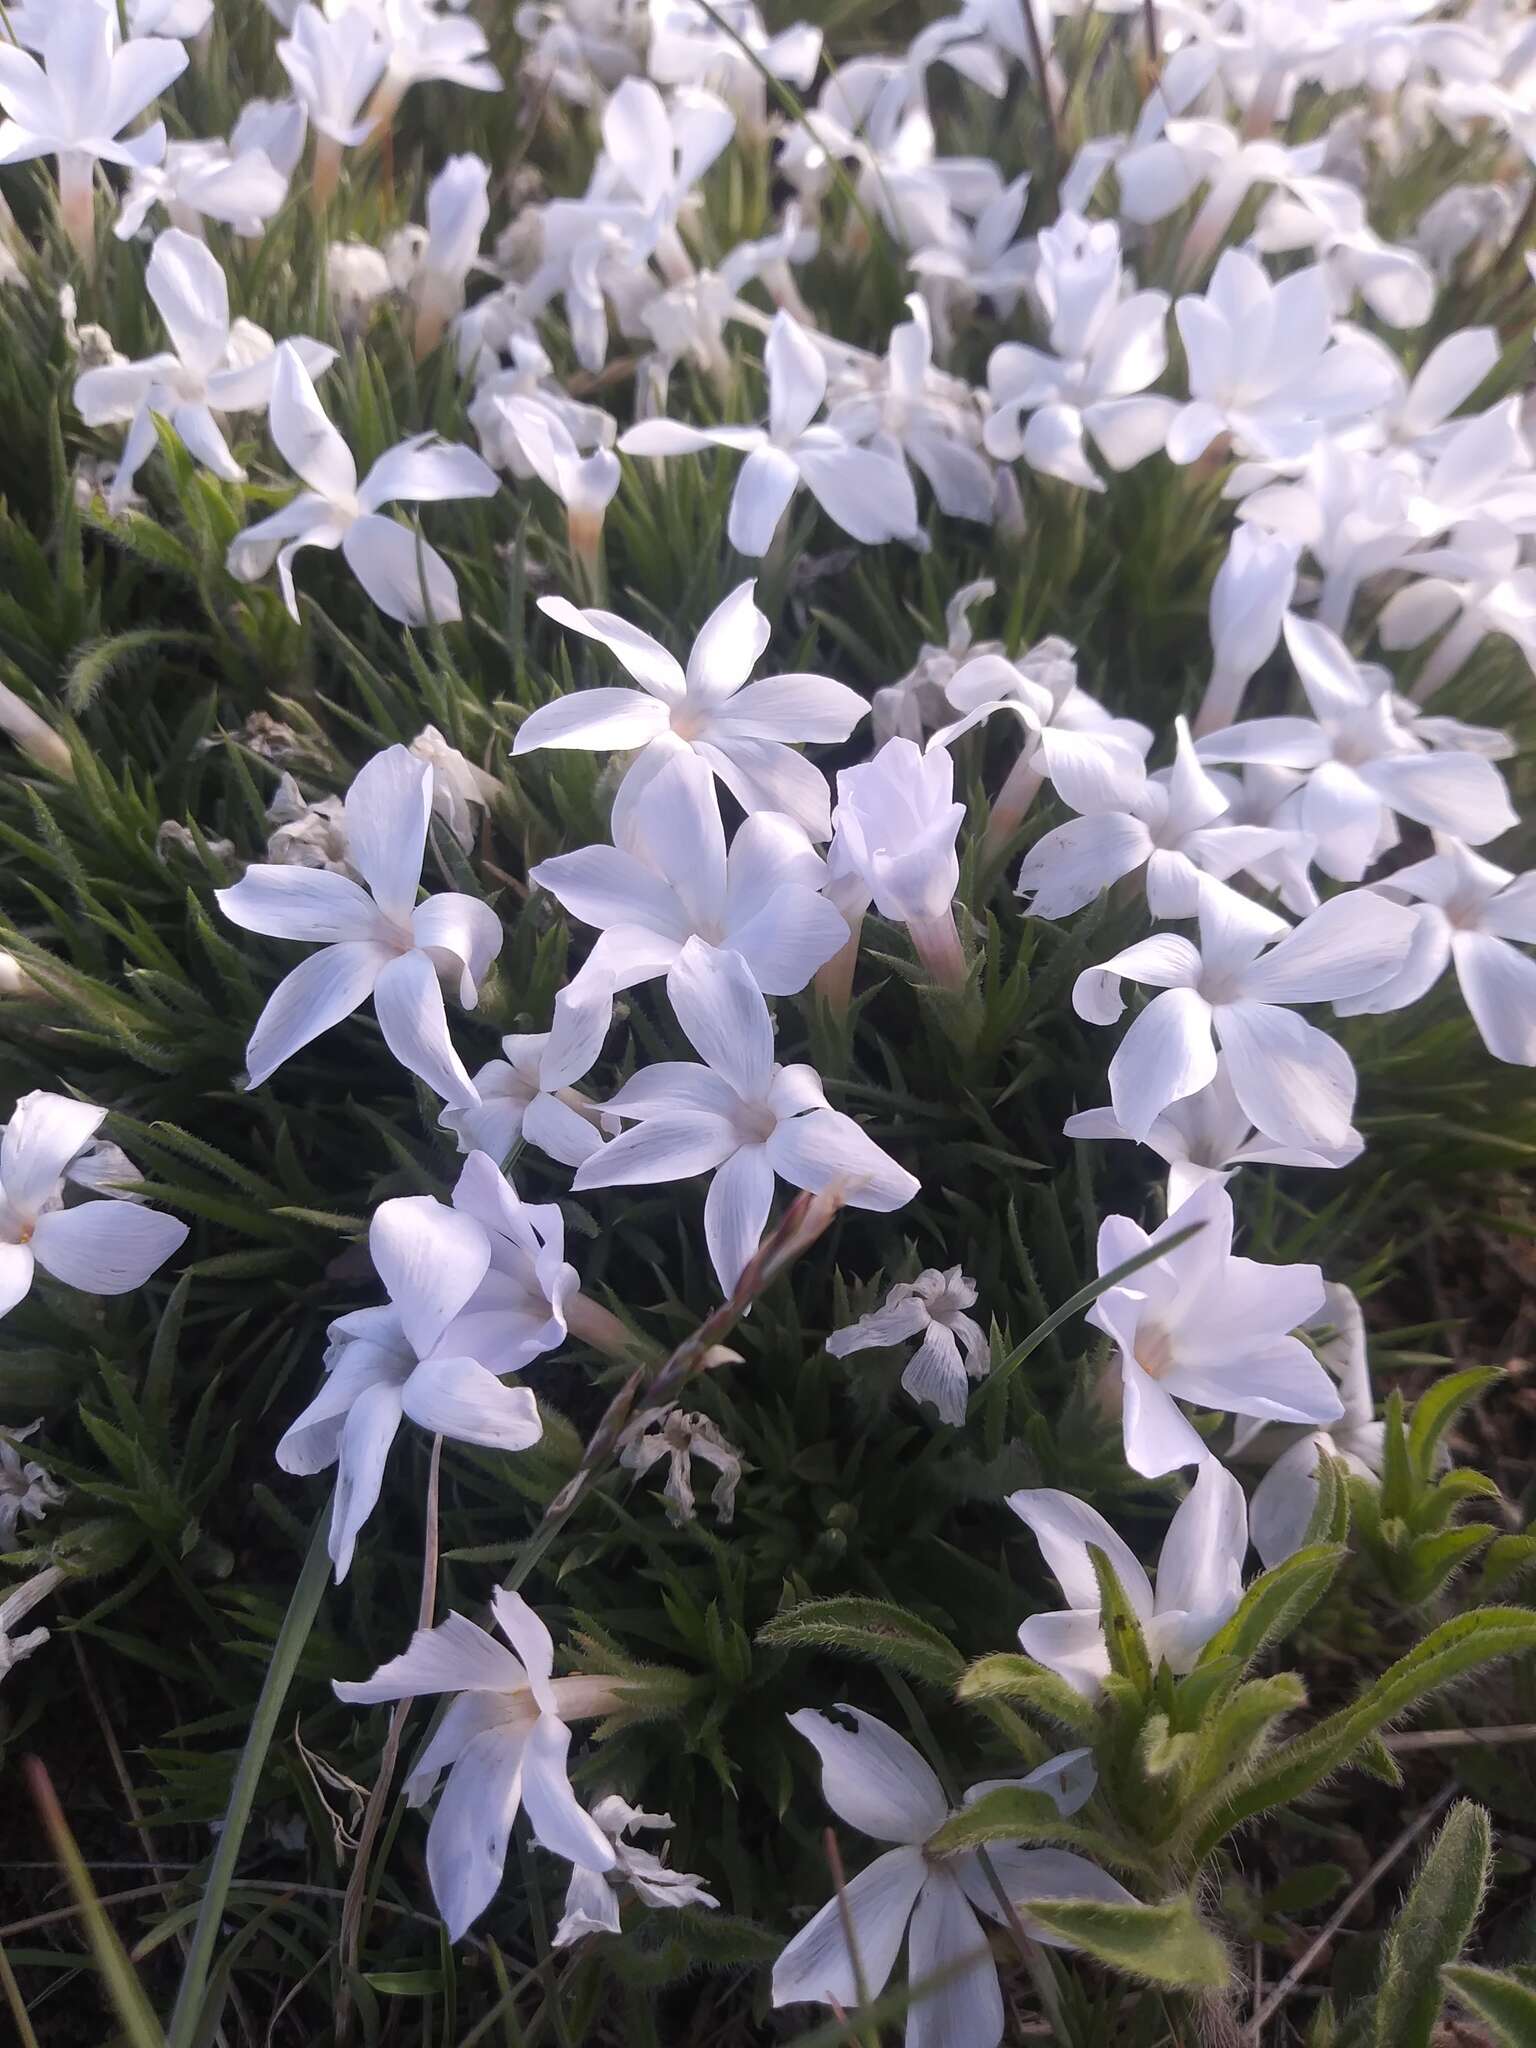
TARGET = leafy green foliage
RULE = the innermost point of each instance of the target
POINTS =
(1163, 1944)
(1431, 1929)
(1506, 2002)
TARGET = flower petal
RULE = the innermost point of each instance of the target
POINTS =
(320, 992)
(1064, 1527)
(1499, 985)
(467, 1841)
(431, 1259)
(727, 648)
(872, 1777)
(645, 659)
(1296, 1084)
(1167, 1054)
(406, 579)
(765, 483)
(721, 1009)
(105, 1247)
(559, 1822)
(736, 1211)
(370, 1428)
(299, 903)
(817, 1967)
(824, 1148)
(305, 438)
(948, 1943)
(456, 1656)
(408, 1002)
(44, 1134)
(459, 1399)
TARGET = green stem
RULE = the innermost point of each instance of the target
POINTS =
(286, 1652)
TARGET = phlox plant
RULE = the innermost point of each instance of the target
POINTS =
(767, 1014)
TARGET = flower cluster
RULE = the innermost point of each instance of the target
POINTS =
(1302, 847)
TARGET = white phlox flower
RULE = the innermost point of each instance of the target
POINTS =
(406, 579)
(504, 1742)
(73, 100)
(738, 1116)
(907, 410)
(1198, 1585)
(529, 1095)
(678, 1436)
(593, 1897)
(1172, 832)
(954, 1349)
(893, 844)
(375, 940)
(1106, 347)
(744, 731)
(407, 1360)
(1196, 1324)
(1235, 990)
(670, 877)
(1366, 758)
(1474, 917)
(214, 367)
(875, 1781)
(103, 1246)
(1207, 1136)
(867, 493)
(25, 1486)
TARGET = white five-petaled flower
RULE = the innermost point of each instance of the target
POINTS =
(100, 1247)
(333, 62)
(739, 1116)
(407, 1359)
(504, 1743)
(745, 731)
(680, 1435)
(954, 1348)
(25, 1486)
(406, 579)
(1173, 830)
(1207, 1136)
(1284, 1499)
(1196, 1324)
(670, 878)
(1472, 916)
(874, 1779)
(376, 941)
(592, 1897)
(1264, 367)
(1296, 1084)
(75, 104)
(1106, 348)
(529, 1095)
(866, 493)
(214, 367)
(1199, 1577)
(1366, 757)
